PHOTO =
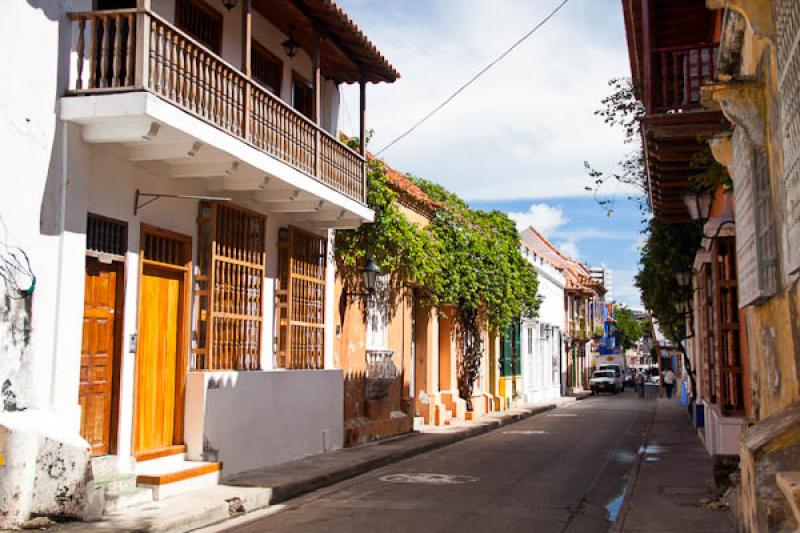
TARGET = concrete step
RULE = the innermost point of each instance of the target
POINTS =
(117, 501)
(170, 478)
(117, 483)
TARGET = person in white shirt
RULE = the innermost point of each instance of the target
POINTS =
(669, 382)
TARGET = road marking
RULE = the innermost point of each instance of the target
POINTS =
(429, 478)
(562, 414)
(527, 432)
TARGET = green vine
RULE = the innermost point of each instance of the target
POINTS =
(466, 258)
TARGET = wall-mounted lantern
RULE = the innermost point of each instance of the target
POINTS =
(699, 205)
(290, 46)
(369, 275)
(684, 278)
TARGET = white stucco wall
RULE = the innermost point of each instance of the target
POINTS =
(254, 419)
(541, 358)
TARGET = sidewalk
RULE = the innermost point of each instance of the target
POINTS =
(257, 489)
(671, 480)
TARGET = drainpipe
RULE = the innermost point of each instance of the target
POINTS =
(62, 217)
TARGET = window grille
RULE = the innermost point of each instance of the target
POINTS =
(231, 262)
(267, 68)
(726, 328)
(300, 295)
(106, 237)
(378, 315)
(201, 21)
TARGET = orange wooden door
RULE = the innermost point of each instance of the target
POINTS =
(157, 363)
(99, 352)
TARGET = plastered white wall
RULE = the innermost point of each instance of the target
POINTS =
(254, 419)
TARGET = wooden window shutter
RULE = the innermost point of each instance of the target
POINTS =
(300, 300)
(302, 95)
(201, 21)
(230, 291)
(728, 356)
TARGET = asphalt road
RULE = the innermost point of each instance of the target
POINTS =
(562, 471)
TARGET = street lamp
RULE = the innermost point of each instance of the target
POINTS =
(698, 205)
(229, 4)
(684, 278)
(290, 46)
(369, 275)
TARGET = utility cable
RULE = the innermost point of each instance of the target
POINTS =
(474, 78)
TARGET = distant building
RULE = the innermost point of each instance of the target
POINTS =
(604, 275)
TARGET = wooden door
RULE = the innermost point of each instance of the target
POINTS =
(160, 357)
(99, 351)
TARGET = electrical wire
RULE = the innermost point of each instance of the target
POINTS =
(474, 78)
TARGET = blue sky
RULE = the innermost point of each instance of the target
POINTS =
(584, 230)
(515, 140)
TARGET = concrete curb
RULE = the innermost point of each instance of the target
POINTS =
(291, 490)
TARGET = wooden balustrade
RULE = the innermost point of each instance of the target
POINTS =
(134, 49)
(677, 75)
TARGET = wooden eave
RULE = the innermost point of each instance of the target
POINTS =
(671, 141)
(346, 54)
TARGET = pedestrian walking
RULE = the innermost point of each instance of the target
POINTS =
(669, 382)
(640, 381)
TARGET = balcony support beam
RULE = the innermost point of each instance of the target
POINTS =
(247, 60)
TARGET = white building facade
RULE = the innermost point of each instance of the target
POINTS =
(541, 347)
(173, 182)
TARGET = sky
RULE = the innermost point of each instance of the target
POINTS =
(517, 138)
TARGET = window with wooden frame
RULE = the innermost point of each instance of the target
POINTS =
(229, 288)
(766, 246)
(302, 95)
(300, 300)
(201, 21)
(726, 334)
(705, 333)
(266, 68)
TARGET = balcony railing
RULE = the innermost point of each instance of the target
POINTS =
(131, 49)
(677, 73)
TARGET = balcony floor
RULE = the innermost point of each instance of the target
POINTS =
(166, 140)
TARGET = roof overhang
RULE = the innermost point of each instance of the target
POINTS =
(346, 55)
(671, 144)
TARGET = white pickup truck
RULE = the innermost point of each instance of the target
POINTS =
(604, 381)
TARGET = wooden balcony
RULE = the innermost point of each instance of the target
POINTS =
(676, 74)
(137, 50)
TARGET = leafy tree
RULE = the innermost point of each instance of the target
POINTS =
(628, 330)
(669, 248)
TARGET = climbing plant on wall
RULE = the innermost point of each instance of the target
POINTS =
(466, 258)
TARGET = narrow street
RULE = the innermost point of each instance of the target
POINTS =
(561, 471)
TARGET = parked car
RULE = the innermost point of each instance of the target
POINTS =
(617, 370)
(604, 381)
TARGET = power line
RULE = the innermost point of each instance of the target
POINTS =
(474, 78)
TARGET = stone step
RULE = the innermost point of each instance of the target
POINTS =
(171, 478)
(117, 483)
(117, 501)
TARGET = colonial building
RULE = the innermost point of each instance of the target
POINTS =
(384, 344)
(543, 355)
(722, 77)
(173, 179)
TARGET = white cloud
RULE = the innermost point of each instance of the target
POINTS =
(523, 129)
(545, 218)
(624, 289)
(570, 248)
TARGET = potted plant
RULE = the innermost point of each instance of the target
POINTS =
(598, 333)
